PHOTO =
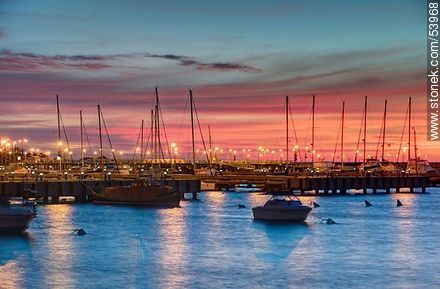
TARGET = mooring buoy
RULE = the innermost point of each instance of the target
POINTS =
(330, 221)
(368, 204)
(241, 206)
(315, 205)
(399, 203)
(79, 232)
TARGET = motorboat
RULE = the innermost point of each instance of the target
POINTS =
(15, 218)
(282, 207)
(419, 166)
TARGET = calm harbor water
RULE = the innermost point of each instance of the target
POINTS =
(212, 243)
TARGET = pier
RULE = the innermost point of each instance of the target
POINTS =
(52, 191)
(325, 184)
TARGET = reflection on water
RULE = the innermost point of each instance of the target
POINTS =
(14, 249)
(281, 239)
(172, 256)
(59, 245)
(212, 243)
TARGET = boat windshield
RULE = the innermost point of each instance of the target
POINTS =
(283, 200)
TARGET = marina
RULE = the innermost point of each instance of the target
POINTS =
(219, 144)
(213, 243)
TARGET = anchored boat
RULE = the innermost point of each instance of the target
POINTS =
(140, 193)
(15, 218)
(282, 207)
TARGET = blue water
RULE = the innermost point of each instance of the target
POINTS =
(212, 243)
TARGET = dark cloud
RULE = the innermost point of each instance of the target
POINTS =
(31, 62)
(17, 61)
(216, 66)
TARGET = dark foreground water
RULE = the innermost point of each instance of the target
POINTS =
(212, 243)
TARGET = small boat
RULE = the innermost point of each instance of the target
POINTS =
(15, 218)
(281, 207)
(141, 193)
(420, 166)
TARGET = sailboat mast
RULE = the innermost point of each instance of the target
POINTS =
(210, 144)
(342, 136)
(415, 149)
(287, 130)
(101, 156)
(409, 129)
(156, 128)
(313, 129)
(365, 131)
(152, 131)
(59, 131)
(384, 129)
(82, 140)
(142, 141)
(192, 129)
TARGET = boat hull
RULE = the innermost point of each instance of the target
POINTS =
(279, 214)
(153, 196)
(14, 224)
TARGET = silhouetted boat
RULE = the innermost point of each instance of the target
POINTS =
(281, 207)
(139, 193)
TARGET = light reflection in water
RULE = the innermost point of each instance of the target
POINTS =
(10, 275)
(405, 229)
(173, 247)
(60, 248)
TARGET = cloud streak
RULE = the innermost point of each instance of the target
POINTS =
(28, 62)
(215, 66)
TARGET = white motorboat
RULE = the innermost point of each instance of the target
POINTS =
(15, 218)
(281, 207)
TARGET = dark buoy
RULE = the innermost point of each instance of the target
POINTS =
(241, 206)
(79, 232)
(399, 203)
(368, 204)
(330, 221)
(315, 205)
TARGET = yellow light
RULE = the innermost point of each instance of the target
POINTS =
(60, 143)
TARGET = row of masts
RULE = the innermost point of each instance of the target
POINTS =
(155, 132)
(363, 130)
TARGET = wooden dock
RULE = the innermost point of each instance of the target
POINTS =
(53, 191)
(325, 184)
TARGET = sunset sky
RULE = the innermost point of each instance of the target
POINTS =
(241, 58)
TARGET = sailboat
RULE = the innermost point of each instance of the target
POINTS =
(149, 192)
(418, 165)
